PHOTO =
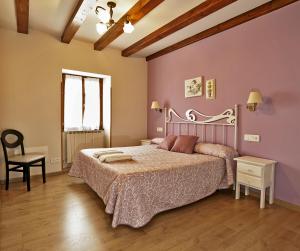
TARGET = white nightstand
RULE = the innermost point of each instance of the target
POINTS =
(145, 141)
(257, 173)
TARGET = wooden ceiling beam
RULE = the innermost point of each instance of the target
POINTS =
(136, 13)
(245, 17)
(81, 11)
(22, 14)
(202, 10)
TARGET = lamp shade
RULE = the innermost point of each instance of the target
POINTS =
(101, 28)
(128, 27)
(155, 105)
(254, 98)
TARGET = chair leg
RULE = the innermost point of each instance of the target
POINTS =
(44, 170)
(24, 174)
(7, 179)
(27, 168)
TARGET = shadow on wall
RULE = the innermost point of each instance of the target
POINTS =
(267, 107)
(278, 99)
(288, 175)
(166, 104)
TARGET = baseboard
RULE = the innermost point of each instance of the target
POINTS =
(66, 169)
(36, 176)
(278, 202)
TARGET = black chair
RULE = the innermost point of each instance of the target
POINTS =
(23, 162)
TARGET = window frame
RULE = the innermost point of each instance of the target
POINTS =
(83, 101)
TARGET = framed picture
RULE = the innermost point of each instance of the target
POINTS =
(210, 89)
(193, 87)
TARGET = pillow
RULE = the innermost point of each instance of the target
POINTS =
(157, 141)
(217, 150)
(167, 143)
(185, 144)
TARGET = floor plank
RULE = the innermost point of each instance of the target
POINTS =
(65, 214)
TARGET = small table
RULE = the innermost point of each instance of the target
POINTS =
(145, 141)
(257, 173)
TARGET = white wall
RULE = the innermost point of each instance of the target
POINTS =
(30, 82)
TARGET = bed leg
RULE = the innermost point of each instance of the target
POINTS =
(237, 192)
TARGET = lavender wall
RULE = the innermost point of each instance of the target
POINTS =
(264, 54)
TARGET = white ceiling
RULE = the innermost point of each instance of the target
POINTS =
(51, 16)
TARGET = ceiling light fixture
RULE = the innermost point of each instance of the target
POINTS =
(101, 28)
(128, 27)
(106, 20)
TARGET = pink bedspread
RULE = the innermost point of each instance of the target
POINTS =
(154, 181)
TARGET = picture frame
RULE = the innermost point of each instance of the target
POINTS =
(210, 89)
(193, 87)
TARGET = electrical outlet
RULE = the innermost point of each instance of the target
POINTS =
(159, 129)
(252, 137)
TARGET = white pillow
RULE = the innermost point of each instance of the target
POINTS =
(157, 141)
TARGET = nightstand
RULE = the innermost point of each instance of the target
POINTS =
(145, 142)
(257, 173)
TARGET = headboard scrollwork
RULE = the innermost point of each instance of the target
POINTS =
(227, 118)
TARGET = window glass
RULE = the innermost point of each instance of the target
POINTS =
(91, 116)
(73, 103)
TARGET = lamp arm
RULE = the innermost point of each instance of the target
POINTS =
(97, 9)
(111, 12)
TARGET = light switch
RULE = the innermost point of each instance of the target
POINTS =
(159, 129)
(252, 137)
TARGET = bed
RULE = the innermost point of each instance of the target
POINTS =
(157, 180)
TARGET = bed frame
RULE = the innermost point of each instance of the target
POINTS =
(228, 118)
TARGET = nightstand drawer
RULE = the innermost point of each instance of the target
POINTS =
(249, 180)
(250, 169)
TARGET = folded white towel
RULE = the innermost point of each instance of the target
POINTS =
(115, 157)
(105, 152)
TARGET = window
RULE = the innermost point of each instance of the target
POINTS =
(82, 103)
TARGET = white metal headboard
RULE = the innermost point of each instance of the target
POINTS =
(227, 118)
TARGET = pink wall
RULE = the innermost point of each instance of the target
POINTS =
(263, 53)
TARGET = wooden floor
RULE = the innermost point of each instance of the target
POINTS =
(65, 214)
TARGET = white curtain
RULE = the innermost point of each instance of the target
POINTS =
(74, 119)
(73, 103)
(91, 117)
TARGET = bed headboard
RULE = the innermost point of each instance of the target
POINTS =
(207, 123)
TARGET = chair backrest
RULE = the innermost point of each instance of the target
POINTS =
(15, 144)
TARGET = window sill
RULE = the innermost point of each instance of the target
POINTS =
(85, 131)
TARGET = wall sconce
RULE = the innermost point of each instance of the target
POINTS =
(155, 106)
(253, 100)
